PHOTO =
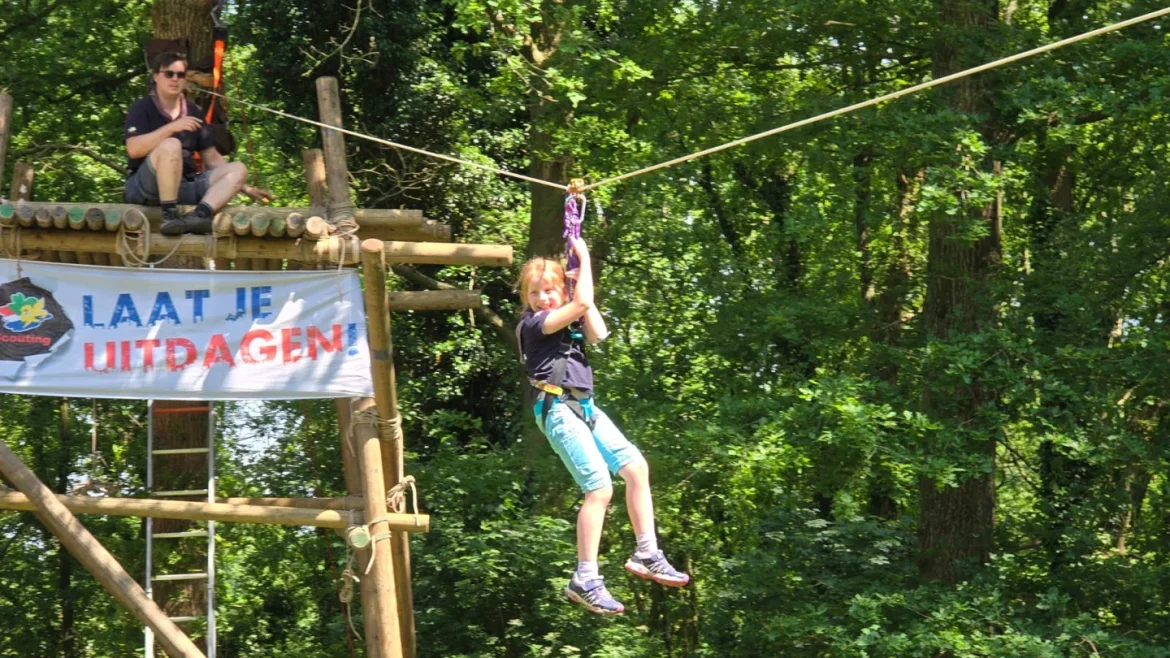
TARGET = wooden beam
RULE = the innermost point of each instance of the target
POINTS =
(354, 502)
(434, 253)
(5, 128)
(434, 300)
(225, 512)
(93, 556)
(380, 223)
(386, 398)
(330, 250)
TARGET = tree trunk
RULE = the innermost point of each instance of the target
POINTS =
(956, 523)
(191, 20)
(546, 218)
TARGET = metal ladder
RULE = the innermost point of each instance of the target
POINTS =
(207, 576)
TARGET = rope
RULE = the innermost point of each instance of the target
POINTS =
(396, 496)
(744, 140)
(888, 97)
(386, 142)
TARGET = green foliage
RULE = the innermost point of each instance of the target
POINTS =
(777, 350)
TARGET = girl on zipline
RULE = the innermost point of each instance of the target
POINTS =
(555, 324)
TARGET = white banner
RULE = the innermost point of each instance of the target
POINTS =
(111, 332)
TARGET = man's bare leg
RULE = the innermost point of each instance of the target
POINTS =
(167, 161)
(224, 183)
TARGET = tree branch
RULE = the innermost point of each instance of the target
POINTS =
(505, 330)
(44, 149)
(30, 20)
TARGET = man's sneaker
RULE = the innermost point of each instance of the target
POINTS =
(192, 223)
(593, 595)
(656, 568)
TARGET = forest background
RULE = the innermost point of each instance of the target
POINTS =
(896, 374)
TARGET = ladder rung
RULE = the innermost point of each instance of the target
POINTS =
(180, 535)
(181, 410)
(180, 620)
(181, 451)
(181, 492)
(181, 576)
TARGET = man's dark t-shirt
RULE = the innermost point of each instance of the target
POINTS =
(541, 351)
(145, 117)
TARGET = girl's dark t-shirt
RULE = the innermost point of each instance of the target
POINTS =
(542, 350)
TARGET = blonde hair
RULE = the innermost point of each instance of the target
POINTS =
(548, 268)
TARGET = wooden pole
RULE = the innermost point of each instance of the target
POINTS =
(434, 300)
(22, 182)
(351, 467)
(94, 557)
(381, 610)
(5, 128)
(336, 169)
(386, 397)
(314, 161)
(267, 514)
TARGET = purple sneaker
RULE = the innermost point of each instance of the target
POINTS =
(593, 595)
(656, 568)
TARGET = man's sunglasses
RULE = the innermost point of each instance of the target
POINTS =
(174, 74)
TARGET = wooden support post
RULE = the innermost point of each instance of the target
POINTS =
(314, 160)
(336, 169)
(94, 557)
(22, 182)
(268, 513)
(5, 128)
(386, 397)
(381, 610)
(351, 467)
(434, 300)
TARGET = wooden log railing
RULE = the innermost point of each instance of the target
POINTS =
(383, 224)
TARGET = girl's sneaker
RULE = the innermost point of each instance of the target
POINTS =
(593, 595)
(656, 568)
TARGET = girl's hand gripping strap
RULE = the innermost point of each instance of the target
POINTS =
(574, 215)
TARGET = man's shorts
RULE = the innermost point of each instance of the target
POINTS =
(142, 187)
(589, 455)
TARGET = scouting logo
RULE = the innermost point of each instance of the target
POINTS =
(32, 324)
(23, 313)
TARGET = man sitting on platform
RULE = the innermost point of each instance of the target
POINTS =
(164, 132)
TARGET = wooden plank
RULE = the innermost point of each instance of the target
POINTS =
(386, 398)
(434, 300)
(191, 510)
(93, 556)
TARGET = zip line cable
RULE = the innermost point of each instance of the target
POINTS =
(743, 140)
(891, 96)
(404, 147)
